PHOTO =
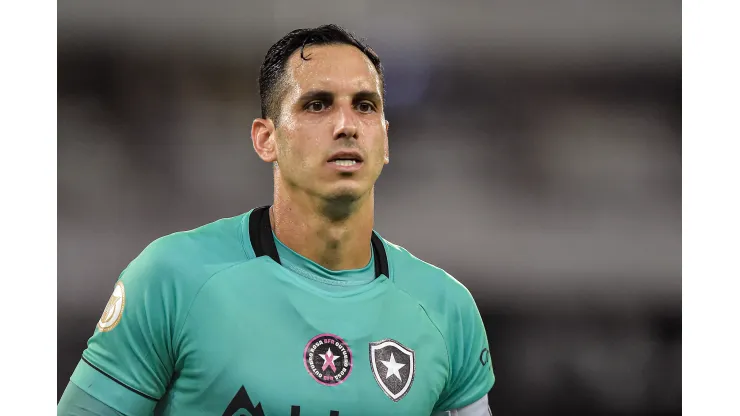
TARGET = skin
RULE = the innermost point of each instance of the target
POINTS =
(320, 212)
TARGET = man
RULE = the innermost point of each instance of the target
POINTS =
(299, 308)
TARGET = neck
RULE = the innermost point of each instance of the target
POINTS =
(333, 233)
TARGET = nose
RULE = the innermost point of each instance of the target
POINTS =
(345, 126)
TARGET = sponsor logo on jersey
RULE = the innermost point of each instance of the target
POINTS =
(393, 366)
(114, 309)
(242, 403)
(484, 356)
(328, 359)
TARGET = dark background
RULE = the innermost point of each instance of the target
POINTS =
(535, 155)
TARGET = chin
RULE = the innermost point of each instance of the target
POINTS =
(340, 204)
(343, 195)
(346, 192)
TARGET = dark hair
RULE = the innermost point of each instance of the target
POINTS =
(273, 67)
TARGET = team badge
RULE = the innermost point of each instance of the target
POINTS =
(114, 309)
(328, 359)
(393, 366)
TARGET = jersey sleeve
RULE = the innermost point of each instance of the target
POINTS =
(471, 373)
(130, 358)
(75, 402)
(478, 408)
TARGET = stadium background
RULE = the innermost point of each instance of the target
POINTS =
(535, 155)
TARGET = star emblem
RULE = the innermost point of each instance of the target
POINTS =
(393, 367)
(329, 359)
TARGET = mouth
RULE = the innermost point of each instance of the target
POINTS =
(346, 160)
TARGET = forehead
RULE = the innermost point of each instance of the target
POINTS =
(331, 68)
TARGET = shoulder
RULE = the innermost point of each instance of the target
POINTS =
(433, 287)
(453, 311)
(188, 258)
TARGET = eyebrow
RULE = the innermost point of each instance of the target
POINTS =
(323, 95)
(369, 96)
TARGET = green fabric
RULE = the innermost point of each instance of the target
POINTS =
(75, 402)
(209, 329)
(320, 276)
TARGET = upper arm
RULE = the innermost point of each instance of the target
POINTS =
(130, 359)
(471, 373)
(76, 402)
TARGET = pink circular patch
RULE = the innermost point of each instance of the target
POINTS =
(328, 359)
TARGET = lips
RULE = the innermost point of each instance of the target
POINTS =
(346, 155)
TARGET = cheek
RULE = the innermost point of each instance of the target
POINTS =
(378, 143)
(300, 148)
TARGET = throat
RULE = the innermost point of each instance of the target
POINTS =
(335, 247)
(334, 233)
(321, 275)
(339, 250)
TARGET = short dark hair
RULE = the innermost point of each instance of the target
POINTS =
(273, 67)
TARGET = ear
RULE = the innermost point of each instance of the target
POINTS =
(263, 139)
(387, 150)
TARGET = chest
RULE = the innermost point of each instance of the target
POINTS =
(266, 346)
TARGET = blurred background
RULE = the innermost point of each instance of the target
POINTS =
(535, 155)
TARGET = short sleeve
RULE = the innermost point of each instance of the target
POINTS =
(129, 360)
(471, 373)
(75, 402)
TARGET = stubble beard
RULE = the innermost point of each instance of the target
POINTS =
(340, 206)
(336, 206)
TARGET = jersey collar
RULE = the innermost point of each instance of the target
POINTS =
(263, 243)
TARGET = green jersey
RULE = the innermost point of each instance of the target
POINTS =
(218, 321)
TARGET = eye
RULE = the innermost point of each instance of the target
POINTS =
(365, 107)
(315, 106)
